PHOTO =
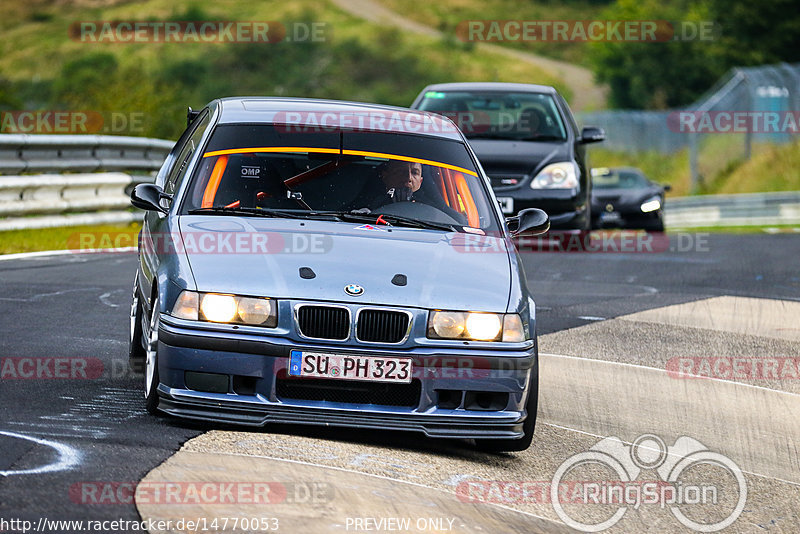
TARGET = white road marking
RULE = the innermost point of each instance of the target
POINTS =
(40, 296)
(636, 365)
(68, 457)
(105, 296)
(46, 253)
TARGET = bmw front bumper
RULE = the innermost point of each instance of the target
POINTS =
(455, 393)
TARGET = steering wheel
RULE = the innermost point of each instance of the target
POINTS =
(417, 210)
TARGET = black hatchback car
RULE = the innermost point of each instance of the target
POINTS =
(624, 197)
(528, 143)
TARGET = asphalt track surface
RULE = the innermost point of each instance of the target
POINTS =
(59, 433)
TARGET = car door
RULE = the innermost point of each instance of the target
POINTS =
(156, 233)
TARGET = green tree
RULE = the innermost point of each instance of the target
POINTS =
(656, 75)
(755, 33)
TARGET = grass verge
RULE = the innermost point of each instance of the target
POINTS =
(69, 238)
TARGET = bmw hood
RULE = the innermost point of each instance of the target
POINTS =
(316, 260)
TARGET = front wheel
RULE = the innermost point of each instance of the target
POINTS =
(151, 378)
(136, 350)
(528, 426)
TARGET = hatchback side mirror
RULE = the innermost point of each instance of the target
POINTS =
(592, 134)
(667, 187)
(148, 197)
(530, 221)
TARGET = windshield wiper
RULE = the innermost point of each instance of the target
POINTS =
(396, 220)
(489, 136)
(259, 212)
(326, 215)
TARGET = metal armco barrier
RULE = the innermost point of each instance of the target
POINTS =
(102, 197)
(20, 153)
(750, 209)
(35, 195)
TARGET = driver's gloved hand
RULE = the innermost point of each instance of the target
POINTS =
(400, 194)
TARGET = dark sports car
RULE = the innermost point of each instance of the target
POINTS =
(333, 263)
(625, 198)
(527, 141)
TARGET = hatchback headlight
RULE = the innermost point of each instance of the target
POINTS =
(221, 308)
(562, 175)
(476, 326)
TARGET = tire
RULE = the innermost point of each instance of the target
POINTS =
(528, 426)
(656, 226)
(136, 351)
(151, 378)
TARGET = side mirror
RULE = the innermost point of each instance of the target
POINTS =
(667, 187)
(530, 221)
(148, 197)
(191, 115)
(591, 134)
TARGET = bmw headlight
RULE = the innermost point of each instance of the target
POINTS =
(476, 326)
(562, 175)
(222, 308)
(651, 204)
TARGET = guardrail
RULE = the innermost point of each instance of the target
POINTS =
(749, 209)
(20, 153)
(52, 197)
(105, 195)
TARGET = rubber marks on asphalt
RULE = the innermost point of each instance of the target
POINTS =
(752, 424)
(779, 319)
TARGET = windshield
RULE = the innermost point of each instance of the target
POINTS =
(499, 115)
(357, 174)
(618, 179)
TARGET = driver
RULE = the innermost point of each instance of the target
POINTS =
(402, 180)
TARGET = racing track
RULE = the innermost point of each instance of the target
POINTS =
(609, 323)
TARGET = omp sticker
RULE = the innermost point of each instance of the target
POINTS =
(250, 171)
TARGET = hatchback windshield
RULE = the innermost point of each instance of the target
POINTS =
(341, 175)
(499, 115)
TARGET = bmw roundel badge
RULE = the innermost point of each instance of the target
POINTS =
(354, 290)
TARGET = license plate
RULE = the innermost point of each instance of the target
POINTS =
(349, 367)
(506, 204)
(610, 217)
